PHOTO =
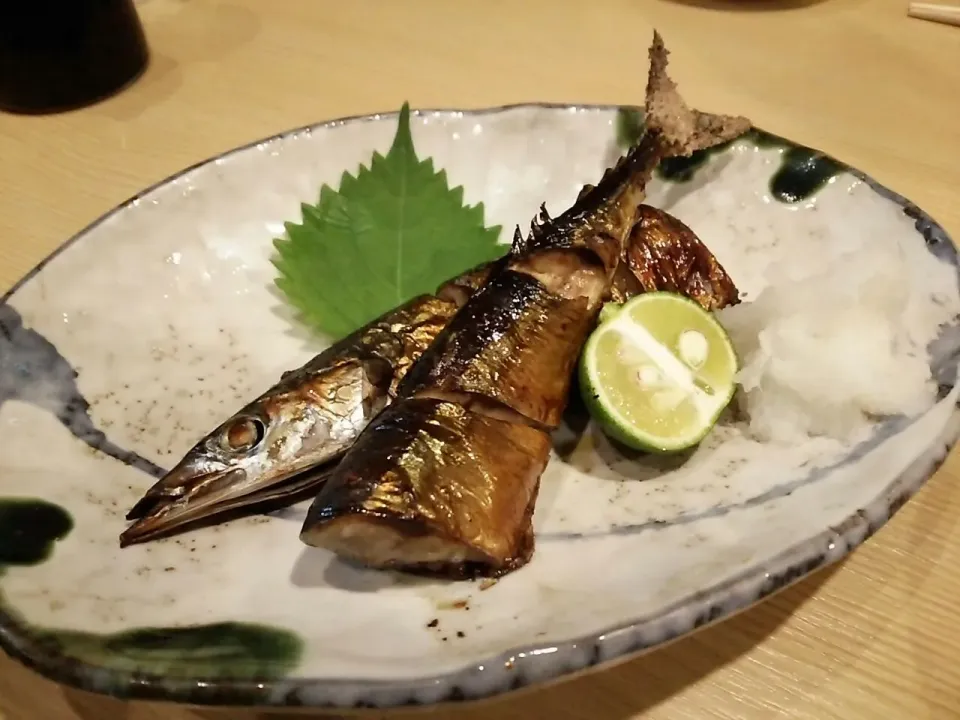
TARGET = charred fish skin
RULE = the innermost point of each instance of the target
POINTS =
(504, 349)
(502, 367)
(491, 362)
(505, 359)
(310, 417)
(423, 481)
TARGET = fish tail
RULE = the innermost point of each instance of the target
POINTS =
(681, 130)
(671, 129)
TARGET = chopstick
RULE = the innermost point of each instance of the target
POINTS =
(946, 14)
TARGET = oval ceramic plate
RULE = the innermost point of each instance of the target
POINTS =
(152, 325)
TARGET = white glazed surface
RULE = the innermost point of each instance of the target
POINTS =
(167, 311)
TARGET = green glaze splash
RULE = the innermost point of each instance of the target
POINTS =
(29, 529)
(240, 651)
(683, 169)
(802, 174)
(803, 171)
(629, 127)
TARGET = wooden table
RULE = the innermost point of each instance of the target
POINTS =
(876, 637)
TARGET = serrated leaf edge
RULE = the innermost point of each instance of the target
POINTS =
(287, 249)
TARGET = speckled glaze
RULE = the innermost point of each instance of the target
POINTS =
(163, 318)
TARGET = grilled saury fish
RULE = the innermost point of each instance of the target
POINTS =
(315, 413)
(309, 418)
(445, 479)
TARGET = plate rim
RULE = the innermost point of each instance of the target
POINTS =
(19, 642)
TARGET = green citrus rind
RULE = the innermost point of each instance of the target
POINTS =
(610, 420)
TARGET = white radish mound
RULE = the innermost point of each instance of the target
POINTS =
(828, 353)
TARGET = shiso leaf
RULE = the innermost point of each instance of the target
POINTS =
(394, 230)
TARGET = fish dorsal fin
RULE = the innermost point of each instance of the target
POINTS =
(538, 225)
(519, 245)
(616, 168)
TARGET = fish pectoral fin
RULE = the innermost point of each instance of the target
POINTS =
(666, 254)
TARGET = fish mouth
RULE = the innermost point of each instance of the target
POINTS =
(178, 498)
(168, 507)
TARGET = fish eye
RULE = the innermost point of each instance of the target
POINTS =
(243, 435)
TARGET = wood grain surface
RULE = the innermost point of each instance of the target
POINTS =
(874, 638)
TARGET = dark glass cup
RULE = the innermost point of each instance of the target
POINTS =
(59, 55)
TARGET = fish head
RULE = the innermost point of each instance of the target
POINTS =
(297, 427)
